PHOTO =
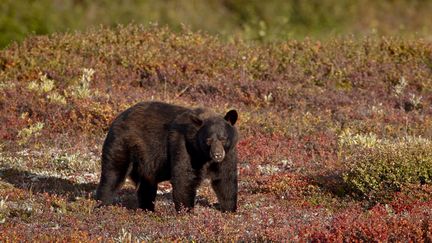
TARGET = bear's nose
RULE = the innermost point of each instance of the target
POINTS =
(217, 152)
(218, 156)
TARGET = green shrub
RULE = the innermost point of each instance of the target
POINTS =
(378, 167)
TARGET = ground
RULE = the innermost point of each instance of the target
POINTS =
(311, 115)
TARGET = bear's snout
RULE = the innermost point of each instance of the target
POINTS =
(218, 157)
(217, 152)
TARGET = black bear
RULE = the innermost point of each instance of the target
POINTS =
(153, 142)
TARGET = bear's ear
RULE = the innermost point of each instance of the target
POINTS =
(196, 120)
(231, 116)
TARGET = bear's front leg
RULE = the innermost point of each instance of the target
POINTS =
(226, 192)
(225, 184)
(184, 179)
(184, 190)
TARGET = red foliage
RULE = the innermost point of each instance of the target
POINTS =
(293, 97)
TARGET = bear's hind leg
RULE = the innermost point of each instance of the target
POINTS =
(110, 182)
(146, 195)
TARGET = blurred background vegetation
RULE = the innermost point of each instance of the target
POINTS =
(247, 19)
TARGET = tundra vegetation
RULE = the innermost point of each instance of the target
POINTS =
(335, 135)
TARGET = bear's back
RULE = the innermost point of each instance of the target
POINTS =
(144, 125)
(150, 113)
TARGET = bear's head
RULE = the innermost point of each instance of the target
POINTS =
(217, 135)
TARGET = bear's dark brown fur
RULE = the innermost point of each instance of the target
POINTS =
(153, 142)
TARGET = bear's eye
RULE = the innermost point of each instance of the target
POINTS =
(208, 141)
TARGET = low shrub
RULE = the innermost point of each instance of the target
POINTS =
(378, 167)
